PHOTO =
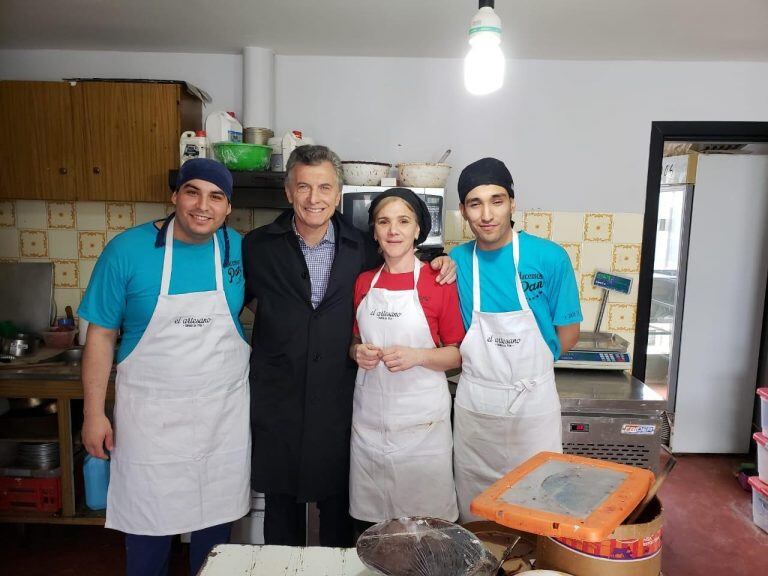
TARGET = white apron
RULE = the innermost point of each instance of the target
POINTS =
(507, 408)
(182, 452)
(401, 444)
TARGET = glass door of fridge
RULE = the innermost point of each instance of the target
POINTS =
(670, 257)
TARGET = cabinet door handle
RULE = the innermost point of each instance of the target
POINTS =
(96, 170)
(62, 170)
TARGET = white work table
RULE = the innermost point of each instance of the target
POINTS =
(237, 560)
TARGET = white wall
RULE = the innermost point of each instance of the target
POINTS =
(574, 134)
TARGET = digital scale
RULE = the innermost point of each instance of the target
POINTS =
(600, 350)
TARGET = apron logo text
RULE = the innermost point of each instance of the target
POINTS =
(502, 342)
(192, 322)
(384, 315)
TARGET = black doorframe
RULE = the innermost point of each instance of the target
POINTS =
(673, 132)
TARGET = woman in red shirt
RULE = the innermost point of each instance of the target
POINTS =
(407, 332)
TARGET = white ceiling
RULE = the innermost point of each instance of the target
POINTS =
(546, 29)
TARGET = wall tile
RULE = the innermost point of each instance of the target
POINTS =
(91, 215)
(627, 228)
(31, 214)
(61, 214)
(595, 256)
(241, 220)
(120, 215)
(66, 297)
(86, 269)
(91, 244)
(149, 212)
(539, 224)
(453, 222)
(567, 226)
(598, 227)
(65, 274)
(62, 244)
(111, 234)
(626, 258)
(574, 253)
(7, 214)
(9, 260)
(621, 317)
(589, 311)
(33, 243)
(9, 243)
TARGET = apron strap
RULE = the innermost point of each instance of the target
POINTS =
(165, 282)
(416, 272)
(518, 283)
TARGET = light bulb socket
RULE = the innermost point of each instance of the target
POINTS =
(485, 20)
(486, 4)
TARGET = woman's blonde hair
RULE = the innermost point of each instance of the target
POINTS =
(387, 201)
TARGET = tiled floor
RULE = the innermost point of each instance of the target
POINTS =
(707, 530)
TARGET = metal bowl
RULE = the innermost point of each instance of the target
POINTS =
(358, 173)
(423, 174)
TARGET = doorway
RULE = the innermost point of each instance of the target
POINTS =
(687, 223)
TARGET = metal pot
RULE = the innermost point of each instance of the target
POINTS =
(21, 344)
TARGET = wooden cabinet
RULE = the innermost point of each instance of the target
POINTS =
(63, 391)
(92, 140)
(37, 149)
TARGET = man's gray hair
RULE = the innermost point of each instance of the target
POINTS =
(312, 155)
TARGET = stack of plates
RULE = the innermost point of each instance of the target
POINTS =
(43, 455)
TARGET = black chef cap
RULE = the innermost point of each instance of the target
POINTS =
(485, 171)
(418, 205)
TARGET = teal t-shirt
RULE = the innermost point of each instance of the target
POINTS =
(546, 274)
(125, 283)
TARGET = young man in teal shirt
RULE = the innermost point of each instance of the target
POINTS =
(520, 305)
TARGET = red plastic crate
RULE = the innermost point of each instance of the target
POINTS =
(30, 494)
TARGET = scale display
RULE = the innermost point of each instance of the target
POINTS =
(611, 282)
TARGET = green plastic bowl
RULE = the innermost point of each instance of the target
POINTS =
(241, 156)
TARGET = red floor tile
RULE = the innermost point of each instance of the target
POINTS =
(708, 525)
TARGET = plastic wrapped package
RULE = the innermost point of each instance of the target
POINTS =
(424, 547)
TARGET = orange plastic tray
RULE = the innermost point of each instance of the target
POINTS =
(512, 501)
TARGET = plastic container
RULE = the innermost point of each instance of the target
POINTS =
(221, 126)
(96, 477)
(193, 145)
(59, 338)
(630, 550)
(759, 503)
(30, 494)
(762, 455)
(763, 393)
(276, 161)
(240, 156)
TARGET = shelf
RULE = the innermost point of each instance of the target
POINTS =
(84, 517)
(252, 189)
(49, 438)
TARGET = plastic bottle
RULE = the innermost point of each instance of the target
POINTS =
(193, 145)
(96, 476)
(222, 126)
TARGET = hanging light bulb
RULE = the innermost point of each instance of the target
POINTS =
(484, 64)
